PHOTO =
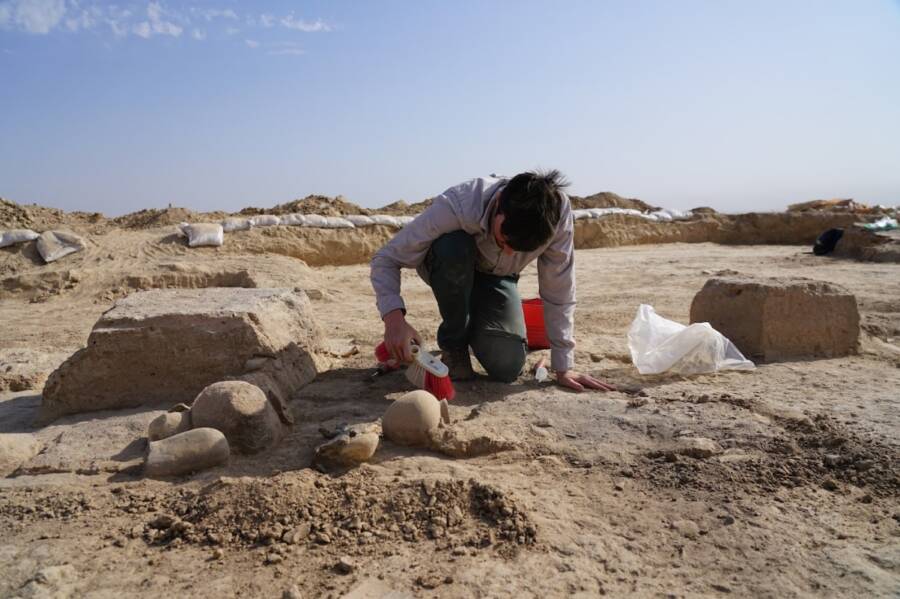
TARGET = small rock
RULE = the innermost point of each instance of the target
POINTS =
(832, 460)
(292, 593)
(296, 534)
(863, 465)
(323, 539)
(345, 565)
(217, 554)
(865, 498)
(727, 519)
(829, 484)
(274, 558)
(162, 522)
(697, 447)
(687, 528)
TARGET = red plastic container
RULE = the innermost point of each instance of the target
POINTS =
(535, 331)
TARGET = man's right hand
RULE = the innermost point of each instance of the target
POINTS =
(397, 335)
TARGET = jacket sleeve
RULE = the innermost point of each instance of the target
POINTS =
(408, 248)
(556, 283)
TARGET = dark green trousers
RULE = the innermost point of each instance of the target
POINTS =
(478, 310)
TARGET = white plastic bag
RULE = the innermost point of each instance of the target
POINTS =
(15, 236)
(236, 224)
(203, 234)
(659, 345)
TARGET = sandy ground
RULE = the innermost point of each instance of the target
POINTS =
(598, 478)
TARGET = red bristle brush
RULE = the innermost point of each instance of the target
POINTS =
(425, 372)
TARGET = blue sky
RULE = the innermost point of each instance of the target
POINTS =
(217, 104)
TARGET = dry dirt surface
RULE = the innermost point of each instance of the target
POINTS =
(778, 482)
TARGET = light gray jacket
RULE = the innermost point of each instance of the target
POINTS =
(470, 207)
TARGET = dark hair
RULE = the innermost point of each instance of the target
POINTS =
(531, 203)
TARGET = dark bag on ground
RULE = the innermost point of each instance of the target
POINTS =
(827, 241)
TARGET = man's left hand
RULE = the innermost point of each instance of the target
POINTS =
(580, 382)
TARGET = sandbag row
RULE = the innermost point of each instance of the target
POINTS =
(212, 234)
(664, 215)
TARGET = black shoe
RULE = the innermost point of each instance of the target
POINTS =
(459, 364)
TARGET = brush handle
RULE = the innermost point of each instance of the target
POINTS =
(429, 362)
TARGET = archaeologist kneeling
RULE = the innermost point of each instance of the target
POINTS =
(470, 245)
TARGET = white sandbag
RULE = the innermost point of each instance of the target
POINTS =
(338, 222)
(670, 214)
(265, 220)
(600, 212)
(294, 220)
(53, 245)
(203, 234)
(315, 220)
(14, 236)
(236, 224)
(658, 345)
(405, 220)
(384, 219)
(582, 213)
(360, 220)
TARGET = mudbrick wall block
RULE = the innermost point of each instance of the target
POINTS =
(162, 347)
(772, 319)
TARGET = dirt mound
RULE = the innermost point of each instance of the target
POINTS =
(343, 513)
(816, 451)
(33, 216)
(608, 199)
(401, 208)
(155, 217)
(311, 204)
(839, 205)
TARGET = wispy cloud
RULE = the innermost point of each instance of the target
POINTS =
(214, 13)
(151, 18)
(32, 16)
(78, 18)
(156, 23)
(300, 25)
(284, 49)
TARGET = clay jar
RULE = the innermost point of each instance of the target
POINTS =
(411, 418)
